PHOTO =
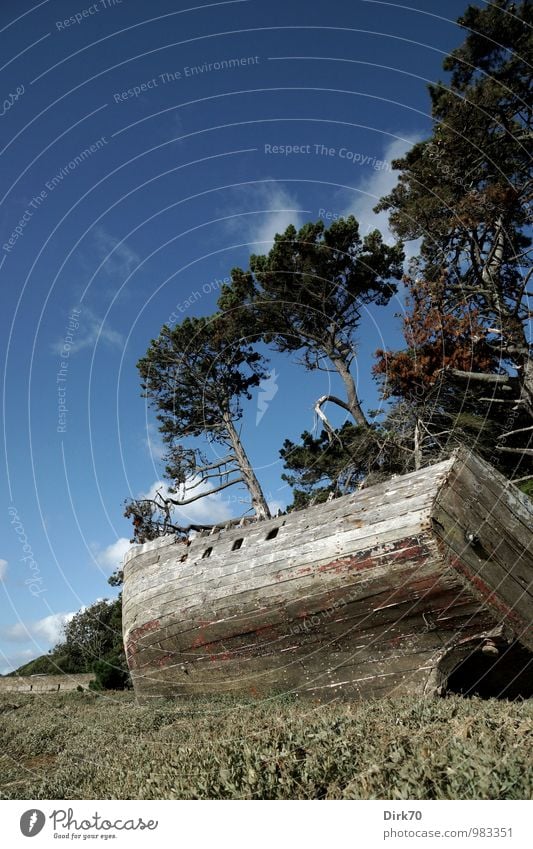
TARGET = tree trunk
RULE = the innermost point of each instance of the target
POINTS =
(254, 487)
(417, 453)
(527, 384)
(351, 392)
(512, 328)
(518, 347)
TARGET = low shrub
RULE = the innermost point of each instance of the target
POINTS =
(223, 748)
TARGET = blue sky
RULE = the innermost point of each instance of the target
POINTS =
(140, 161)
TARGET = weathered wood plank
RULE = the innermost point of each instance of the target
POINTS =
(482, 524)
(387, 610)
(255, 569)
(386, 574)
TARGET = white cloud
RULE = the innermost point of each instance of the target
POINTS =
(276, 208)
(91, 331)
(119, 259)
(371, 184)
(208, 510)
(111, 557)
(15, 659)
(266, 392)
(49, 630)
(3, 569)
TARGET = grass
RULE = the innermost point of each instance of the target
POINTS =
(104, 746)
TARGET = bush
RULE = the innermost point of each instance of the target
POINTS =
(110, 674)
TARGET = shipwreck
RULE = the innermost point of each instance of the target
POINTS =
(419, 585)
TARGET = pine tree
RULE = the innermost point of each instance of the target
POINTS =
(308, 294)
(197, 375)
(466, 191)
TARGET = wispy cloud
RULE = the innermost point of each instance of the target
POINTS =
(266, 392)
(3, 569)
(119, 259)
(275, 506)
(152, 442)
(13, 660)
(276, 208)
(91, 331)
(373, 186)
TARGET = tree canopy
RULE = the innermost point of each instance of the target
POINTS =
(308, 295)
(465, 373)
(197, 375)
(466, 191)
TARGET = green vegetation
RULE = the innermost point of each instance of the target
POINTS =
(464, 373)
(308, 295)
(92, 642)
(46, 664)
(104, 746)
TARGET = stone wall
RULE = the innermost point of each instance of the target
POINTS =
(44, 683)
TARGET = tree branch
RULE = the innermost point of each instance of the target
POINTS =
(528, 451)
(205, 494)
(190, 487)
(322, 416)
(223, 462)
(515, 401)
(512, 432)
(500, 379)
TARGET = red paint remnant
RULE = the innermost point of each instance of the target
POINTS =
(199, 641)
(225, 655)
(162, 661)
(408, 549)
(204, 641)
(489, 595)
(132, 643)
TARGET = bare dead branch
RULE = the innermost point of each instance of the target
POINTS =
(500, 379)
(189, 487)
(223, 462)
(322, 416)
(512, 432)
(528, 451)
(509, 349)
(516, 401)
(179, 503)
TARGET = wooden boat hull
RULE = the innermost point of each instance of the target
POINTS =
(370, 595)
